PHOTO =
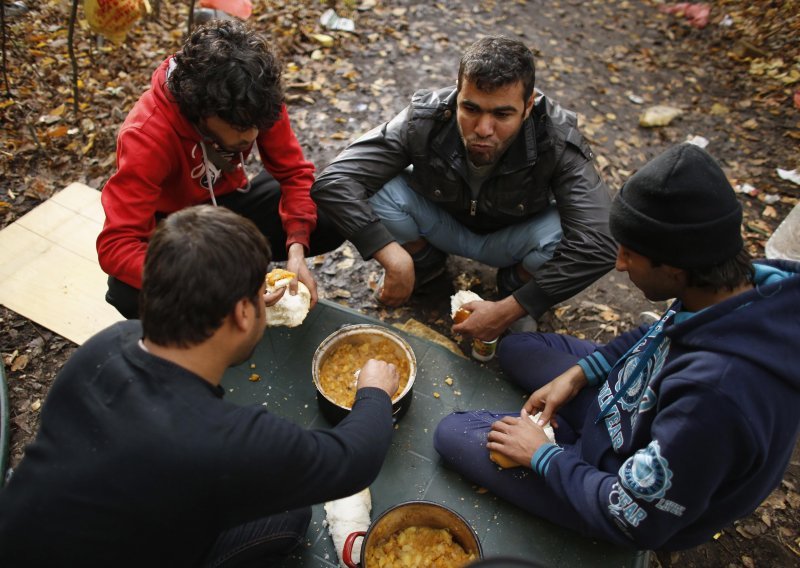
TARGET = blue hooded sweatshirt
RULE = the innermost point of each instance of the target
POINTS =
(700, 432)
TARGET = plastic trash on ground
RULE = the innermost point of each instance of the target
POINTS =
(699, 141)
(332, 21)
(239, 8)
(790, 175)
(785, 241)
(113, 19)
(697, 14)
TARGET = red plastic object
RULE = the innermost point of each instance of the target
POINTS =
(239, 8)
(347, 550)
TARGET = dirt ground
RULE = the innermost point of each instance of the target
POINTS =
(608, 60)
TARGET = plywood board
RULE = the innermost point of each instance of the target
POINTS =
(48, 265)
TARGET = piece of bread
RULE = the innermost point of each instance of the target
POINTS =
(504, 462)
(345, 516)
(459, 299)
(290, 311)
(278, 278)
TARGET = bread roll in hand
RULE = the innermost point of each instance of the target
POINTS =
(457, 300)
(505, 462)
(290, 310)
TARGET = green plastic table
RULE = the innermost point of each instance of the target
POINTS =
(413, 469)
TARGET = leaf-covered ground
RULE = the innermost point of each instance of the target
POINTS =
(735, 82)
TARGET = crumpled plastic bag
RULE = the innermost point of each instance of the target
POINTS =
(239, 8)
(697, 14)
(113, 19)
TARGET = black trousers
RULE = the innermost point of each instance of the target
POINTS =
(260, 205)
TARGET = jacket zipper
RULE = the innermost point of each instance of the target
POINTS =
(473, 207)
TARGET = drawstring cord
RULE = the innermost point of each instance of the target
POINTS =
(210, 182)
(655, 336)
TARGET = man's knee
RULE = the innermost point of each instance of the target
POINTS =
(458, 432)
(443, 436)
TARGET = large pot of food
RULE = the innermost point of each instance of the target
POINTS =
(339, 358)
(416, 533)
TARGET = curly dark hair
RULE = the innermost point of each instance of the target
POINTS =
(200, 262)
(227, 70)
(496, 61)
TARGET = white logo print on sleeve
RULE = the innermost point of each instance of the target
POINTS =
(646, 473)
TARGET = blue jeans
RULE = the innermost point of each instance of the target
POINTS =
(409, 216)
(259, 541)
(460, 438)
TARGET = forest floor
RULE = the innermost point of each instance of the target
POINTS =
(734, 81)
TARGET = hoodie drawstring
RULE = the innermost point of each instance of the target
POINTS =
(210, 181)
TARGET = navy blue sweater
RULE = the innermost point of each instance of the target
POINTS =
(701, 433)
(139, 462)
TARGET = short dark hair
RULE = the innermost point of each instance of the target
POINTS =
(496, 61)
(200, 262)
(227, 70)
(726, 275)
(729, 274)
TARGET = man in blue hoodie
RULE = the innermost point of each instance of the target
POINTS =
(671, 432)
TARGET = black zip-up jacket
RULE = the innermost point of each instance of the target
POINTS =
(548, 162)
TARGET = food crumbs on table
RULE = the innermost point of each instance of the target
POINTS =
(436, 395)
(252, 365)
(457, 393)
(449, 381)
(254, 377)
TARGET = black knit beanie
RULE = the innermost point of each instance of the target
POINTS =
(679, 209)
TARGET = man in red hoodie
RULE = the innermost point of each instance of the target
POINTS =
(186, 141)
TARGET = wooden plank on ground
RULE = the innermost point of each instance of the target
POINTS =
(48, 265)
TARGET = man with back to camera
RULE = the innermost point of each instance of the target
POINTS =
(668, 433)
(139, 461)
(490, 170)
(186, 141)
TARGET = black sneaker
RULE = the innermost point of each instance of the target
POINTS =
(508, 280)
(429, 264)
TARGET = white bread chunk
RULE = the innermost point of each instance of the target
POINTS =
(290, 311)
(548, 430)
(345, 516)
(460, 298)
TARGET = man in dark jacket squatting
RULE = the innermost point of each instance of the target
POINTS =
(668, 433)
(139, 462)
(490, 170)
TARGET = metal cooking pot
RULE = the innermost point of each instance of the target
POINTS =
(334, 412)
(410, 514)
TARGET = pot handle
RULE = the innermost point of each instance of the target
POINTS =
(347, 550)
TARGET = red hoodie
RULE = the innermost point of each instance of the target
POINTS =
(160, 169)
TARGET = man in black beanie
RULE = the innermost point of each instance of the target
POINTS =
(636, 419)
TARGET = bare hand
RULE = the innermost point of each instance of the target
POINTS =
(516, 438)
(297, 263)
(271, 298)
(555, 394)
(379, 374)
(489, 319)
(398, 278)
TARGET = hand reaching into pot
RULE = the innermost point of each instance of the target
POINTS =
(379, 374)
